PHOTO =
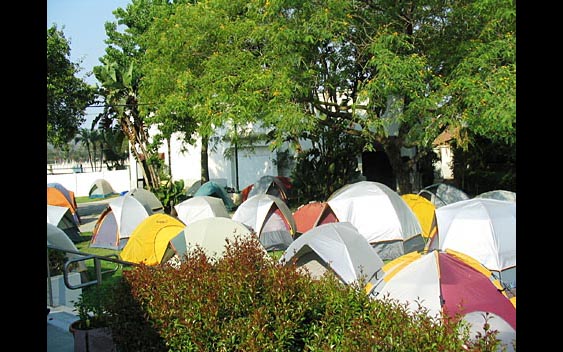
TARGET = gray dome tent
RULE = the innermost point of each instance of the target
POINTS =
(100, 189)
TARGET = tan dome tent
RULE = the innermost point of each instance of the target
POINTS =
(338, 247)
(62, 218)
(100, 189)
(117, 222)
(148, 199)
(209, 234)
(380, 215)
(200, 207)
(270, 217)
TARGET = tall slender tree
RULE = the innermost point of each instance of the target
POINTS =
(85, 137)
(120, 76)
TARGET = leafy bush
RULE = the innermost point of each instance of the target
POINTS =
(92, 307)
(329, 164)
(248, 302)
(170, 194)
(57, 261)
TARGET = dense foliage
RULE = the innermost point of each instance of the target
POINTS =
(248, 302)
(170, 194)
(393, 72)
(325, 167)
(485, 165)
(67, 95)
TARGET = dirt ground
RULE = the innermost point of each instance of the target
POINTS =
(89, 213)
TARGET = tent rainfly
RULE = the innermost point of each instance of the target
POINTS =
(270, 217)
(277, 186)
(482, 228)
(200, 207)
(116, 223)
(211, 234)
(338, 247)
(148, 199)
(445, 283)
(499, 194)
(62, 218)
(57, 238)
(424, 211)
(213, 189)
(441, 194)
(58, 195)
(380, 215)
(147, 244)
(308, 216)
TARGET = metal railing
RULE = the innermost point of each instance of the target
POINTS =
(67, 268)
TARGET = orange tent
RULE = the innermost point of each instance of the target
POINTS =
(56, 196)
(307, 215)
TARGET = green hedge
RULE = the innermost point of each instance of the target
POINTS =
(248, 302)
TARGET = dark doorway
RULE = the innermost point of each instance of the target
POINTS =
(376, 167)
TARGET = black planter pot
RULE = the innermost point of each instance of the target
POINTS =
(93, 339)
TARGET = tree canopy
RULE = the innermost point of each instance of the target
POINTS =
(389, 73)
(393, 72)
(67, 95)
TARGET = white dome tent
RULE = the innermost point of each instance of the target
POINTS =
(380, 215)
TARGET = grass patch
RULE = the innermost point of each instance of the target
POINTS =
(107, 278)
(86, 199)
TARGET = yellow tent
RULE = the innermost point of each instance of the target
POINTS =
(424, 211)
(150, 238)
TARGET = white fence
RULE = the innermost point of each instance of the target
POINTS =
(80, 183)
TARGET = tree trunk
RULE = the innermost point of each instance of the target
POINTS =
(149, 174)
(204, 160)
(90, 157)
(169, 158)
(401, 168)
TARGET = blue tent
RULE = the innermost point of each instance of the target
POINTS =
(214, 190)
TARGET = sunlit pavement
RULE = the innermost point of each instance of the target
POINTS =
(59, 338)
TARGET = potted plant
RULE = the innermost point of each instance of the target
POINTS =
(91, 331)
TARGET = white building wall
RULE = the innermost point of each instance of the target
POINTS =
(186, 166)
(443, 169)
(80, 183)
(254, 164)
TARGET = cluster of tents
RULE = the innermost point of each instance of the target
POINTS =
(63, 220)
(62, 210)
(440, 248)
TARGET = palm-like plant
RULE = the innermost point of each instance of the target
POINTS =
(85, 137)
